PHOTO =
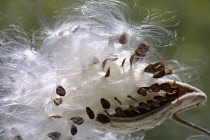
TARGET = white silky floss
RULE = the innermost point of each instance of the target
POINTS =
(87, 74)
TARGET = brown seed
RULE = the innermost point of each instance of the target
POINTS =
(131, 60)
(104, 63)
(150, 68)
(58, 101)
(105, 104)
(159, 65)
(118, 100)
(107, 72)
(56, 116)
(123, 39)
(134, 109)
(168, 72)
(155, 87)
(18, 137)
(159, 74)
(95, 61)
(120, 112)
(160, 98)
(73, 130)
(77, 120)
(107, 113)
(54, 135)
(173, 94)
(166, 87)
(103, 118)
(132, 98)
(128, 113)
(153, 103)
(143, 105)
(60, 91)
(142, 50)
(113, 57)
(75, 29)
(123, 62)
(90, 113)
(143, 91)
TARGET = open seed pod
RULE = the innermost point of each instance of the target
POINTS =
(189, 97)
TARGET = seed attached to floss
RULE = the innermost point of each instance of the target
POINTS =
(143, 91)
(54, 135)
(105, 104)
(56, 116)
(58, 101)
(104, 63)
(103, 118)
(123, 39)
(73, 129)
(18, 137)
(159, 74)
(132, 98)
(123, 62)
(60, 91)
(107, 72)
(142, 50)
(77, 120)
(107, 113)
(118, 100)
(90, 113)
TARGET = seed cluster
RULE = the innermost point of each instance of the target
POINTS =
(139, 53)
(158, 71)
(172, 93)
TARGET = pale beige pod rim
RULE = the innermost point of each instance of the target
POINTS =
(193, 97)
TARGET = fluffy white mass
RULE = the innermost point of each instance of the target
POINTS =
(73, 66)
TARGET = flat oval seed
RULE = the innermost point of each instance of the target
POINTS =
(119, 112)
(54, 135)
(159, 74)
(60, 91)
(118, 100)
(143, 91)
(166, 87)
(58, 101)
(102, 118)
(123, 38)
(18, 137)
(56, 116)
(155, 87)
(150, 68)
(143, 105)
(160, 98)
(90, 113)
(105, 104)
(159, 65)
(153, 103)
(77, 120)
(107, 72)
(73, 130)
(123, 62)
(134, 109)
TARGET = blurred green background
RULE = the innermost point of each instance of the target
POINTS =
(191, 49)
